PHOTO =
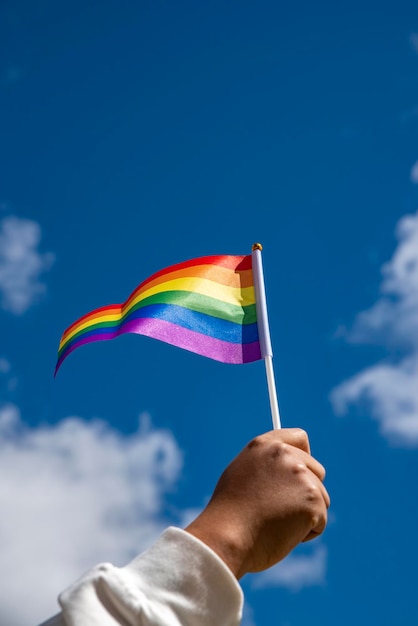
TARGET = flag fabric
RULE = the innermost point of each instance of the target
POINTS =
(206, 305)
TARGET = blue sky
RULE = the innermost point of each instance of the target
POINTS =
(135, 135)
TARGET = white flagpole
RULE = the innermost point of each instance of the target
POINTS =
(264, 330)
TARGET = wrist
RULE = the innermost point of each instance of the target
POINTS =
(225, 538)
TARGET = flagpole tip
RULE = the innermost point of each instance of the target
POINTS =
(256, 246)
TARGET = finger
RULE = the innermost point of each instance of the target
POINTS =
(320, 525)
(319, 485)
(325, 495)
(295, 437)
(319, 528)
(311, 463)
(313, 534)
(316, 468)
(317, 488)
(298, 438)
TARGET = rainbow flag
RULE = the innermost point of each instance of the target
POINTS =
(205, 305)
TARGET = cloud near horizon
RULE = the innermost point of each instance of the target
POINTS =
(71, 495)
(388, 390)
(21, 264)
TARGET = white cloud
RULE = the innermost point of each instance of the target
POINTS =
(391, 393)
(21, 264)
(390, 389)
(414, 173)
(298, 570)
(71, 495)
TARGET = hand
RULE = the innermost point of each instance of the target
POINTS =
(268, 500)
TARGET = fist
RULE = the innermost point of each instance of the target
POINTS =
(268, 500)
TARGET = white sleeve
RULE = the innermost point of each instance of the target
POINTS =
(179, 581)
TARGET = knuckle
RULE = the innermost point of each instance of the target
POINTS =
(319, 521)
(256, 442)
(315, 508)
(313, 501)
(318, 526)
(299, 468)
(314, 495)
(279, 448)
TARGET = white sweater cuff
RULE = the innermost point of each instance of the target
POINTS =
(178, 581)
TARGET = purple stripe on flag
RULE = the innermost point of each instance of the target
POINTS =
(175, 335)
